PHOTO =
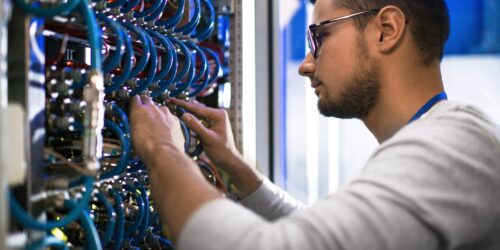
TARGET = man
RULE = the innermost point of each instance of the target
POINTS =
(433, 183)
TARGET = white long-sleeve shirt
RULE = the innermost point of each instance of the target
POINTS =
(434, 185)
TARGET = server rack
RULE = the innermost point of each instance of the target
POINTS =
(45, 103)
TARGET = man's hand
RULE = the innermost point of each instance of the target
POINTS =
(218, 143)
(216, 137)
(177, 185)
(153, 127)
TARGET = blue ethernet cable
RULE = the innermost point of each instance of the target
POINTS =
(188, 69)
(181, 86)
(187, 54)
(125, 148)
(206, 31)
(174, 19)
(149, 10)
(129, 5)
(145, 220)
(204, 72)
(199, 148)
(143, 84)
(128, 56)
(141, 209)
(116, 3)
(156, 14)
(120, 219)
(187, 136)
(25, 220)
(171, 76)
(111, 223)
(92, 240)
(141, 35)
(113, 60)
(208, 78)
(47, 12)
(195, 20)
(204, 62)
(94, 33)
(158, 242)
(185, 130)
(170, 52)
(218, 64)
(165, 243)
(49, 241)
(205, 168)
(123, 116)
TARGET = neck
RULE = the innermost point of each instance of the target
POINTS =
(404, 91)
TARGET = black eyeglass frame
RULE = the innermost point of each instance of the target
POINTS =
(312, 38)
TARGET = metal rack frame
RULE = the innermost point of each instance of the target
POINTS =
(251, 112)
(4, 16)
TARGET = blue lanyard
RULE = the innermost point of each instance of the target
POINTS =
(439, 97)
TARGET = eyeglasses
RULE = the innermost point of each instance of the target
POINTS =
(315, 41)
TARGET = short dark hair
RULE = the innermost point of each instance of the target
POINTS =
(429, 21)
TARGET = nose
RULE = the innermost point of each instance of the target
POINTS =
(308, 66)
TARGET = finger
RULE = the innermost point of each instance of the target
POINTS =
(165, 110)
(135, 101)
(169, 117)
(192, 103)
(196, 125)
(146, 100)
(199, 103)
(195, 108)
(135, 107)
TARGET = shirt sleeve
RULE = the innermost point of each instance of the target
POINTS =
(271, 202)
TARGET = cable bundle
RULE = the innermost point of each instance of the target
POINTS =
(158, 48)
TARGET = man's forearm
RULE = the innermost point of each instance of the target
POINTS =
(244, 177)
(178, 187)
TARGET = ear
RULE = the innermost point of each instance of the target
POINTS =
(391, 26)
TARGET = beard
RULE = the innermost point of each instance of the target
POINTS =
(360, 94)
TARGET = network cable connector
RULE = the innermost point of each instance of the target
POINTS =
(93, 95)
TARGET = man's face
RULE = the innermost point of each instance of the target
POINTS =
(343, 75)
